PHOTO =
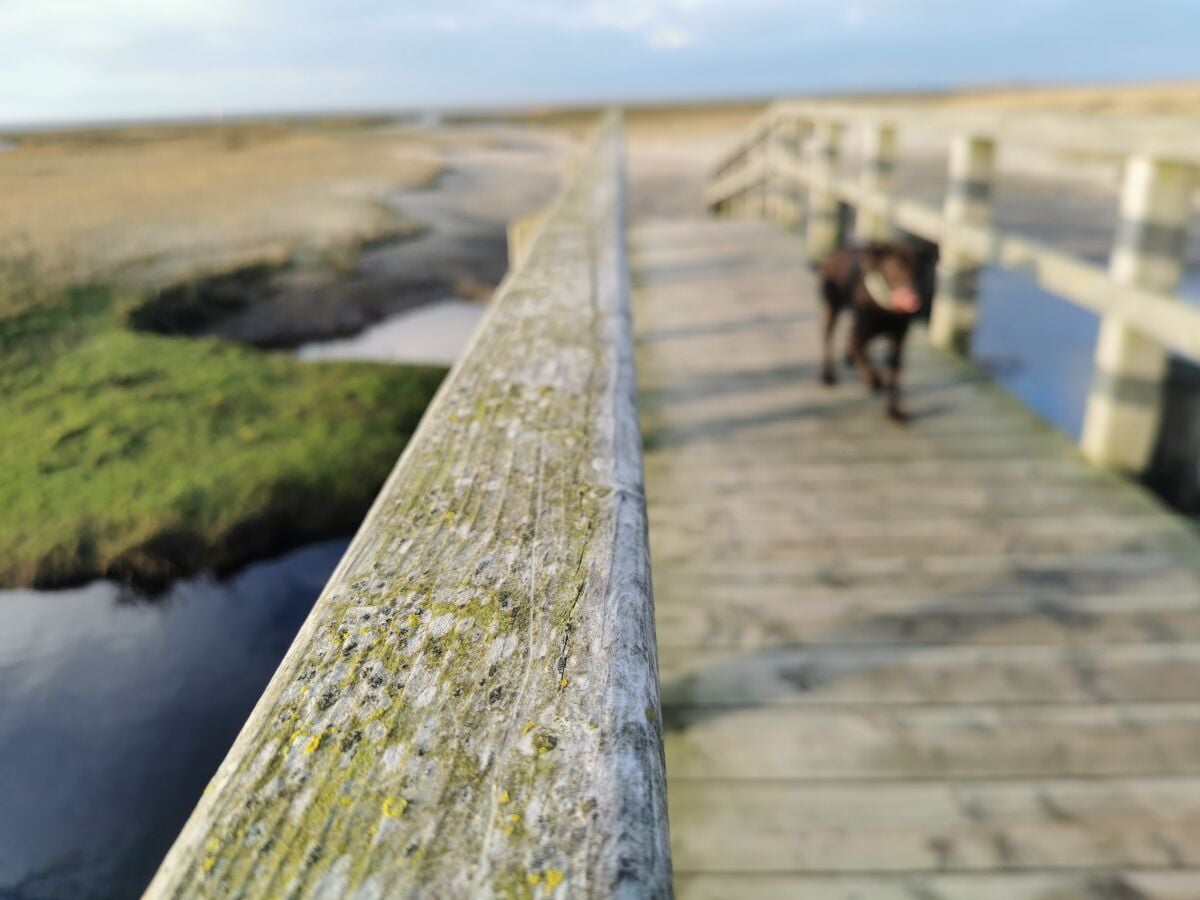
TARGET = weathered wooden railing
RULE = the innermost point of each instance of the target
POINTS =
(471, 709)
(793, 147)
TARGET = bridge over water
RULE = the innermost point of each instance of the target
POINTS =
(949, 660)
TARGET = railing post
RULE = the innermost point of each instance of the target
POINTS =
(968, 202)
(761, 205)
(878, 176)
(1123, 406)
(821, 228)
(772, 153)
(789, 192)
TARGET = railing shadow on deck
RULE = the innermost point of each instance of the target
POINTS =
(1064, 597)
(471, 708)
(925, 395)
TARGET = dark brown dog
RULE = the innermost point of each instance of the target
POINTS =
(882, 283)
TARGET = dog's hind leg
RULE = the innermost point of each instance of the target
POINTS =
(858, 352)
(830, 310)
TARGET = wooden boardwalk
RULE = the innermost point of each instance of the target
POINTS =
(942, 661)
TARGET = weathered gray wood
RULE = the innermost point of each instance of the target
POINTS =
(1117, 884)
(946, 661)
(969, 741)
(942, 674)
(1172, 137)
(926, 827)
(1160, 316)
(471, 709)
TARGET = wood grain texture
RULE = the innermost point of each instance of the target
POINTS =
(946, 661)
(471, 709)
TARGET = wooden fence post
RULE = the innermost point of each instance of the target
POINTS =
(968, 201)
(1123, 407)
(762, 148)
(821, 228)
(793, 191)
(878, 176)
(776, 201)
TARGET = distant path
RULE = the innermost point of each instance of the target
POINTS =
(943, 661)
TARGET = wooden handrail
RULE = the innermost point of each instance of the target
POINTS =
(472, 709)
(1142, 317)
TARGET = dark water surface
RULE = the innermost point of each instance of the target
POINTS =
(1040, 347)
(115, 711)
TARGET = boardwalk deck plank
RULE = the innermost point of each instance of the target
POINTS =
(949, 660)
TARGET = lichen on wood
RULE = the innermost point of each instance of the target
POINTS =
(471, 709)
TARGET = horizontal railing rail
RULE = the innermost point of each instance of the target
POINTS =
(471, 708)
(793, 148)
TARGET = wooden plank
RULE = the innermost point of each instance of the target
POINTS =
(940, 674)
(471, 709)
(761, 827)
(1036, 618)
(1089, 885)
(913, 742)
(885, 650)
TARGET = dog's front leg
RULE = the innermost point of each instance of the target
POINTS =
(858, 352)
(891, 378)
(829, 317)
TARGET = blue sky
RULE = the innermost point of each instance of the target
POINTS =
(100, 59)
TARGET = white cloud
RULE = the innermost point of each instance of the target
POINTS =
(669, 38)
(62, 59)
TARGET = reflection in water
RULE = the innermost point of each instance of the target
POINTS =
(115, 711)
(1041, 349)
(432, 333)
(1037, 346)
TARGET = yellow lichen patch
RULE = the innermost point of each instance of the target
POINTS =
(394, 807)
(544, 743)
(504, 798)
(533, 878)
(529, 726)
(209, 862)
(313, 743)
(554, 877)
(563, 683)
(515, 820)
(212, 845)
(413, 620)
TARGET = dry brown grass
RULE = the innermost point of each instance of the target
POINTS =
(674, 120)
(1181, 100)
(169, 201)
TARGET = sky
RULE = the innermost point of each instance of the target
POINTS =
(85, 60)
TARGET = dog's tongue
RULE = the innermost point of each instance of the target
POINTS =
(905, 300)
